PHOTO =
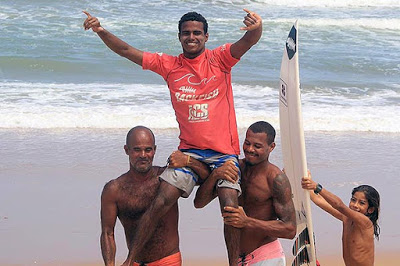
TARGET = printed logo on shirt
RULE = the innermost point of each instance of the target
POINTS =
(189, 77)
(183, 97)
(198, 112)
(187, 89)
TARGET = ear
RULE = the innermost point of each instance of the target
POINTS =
(206, 37)
(155, 148)
(272, 146)
(179, 36)
(371, 210)
(126, 149)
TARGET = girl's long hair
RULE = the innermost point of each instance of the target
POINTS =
(373, 201)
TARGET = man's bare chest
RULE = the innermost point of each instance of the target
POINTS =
(256, 191)
(135, 199)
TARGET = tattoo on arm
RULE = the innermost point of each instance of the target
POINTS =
(283, 203)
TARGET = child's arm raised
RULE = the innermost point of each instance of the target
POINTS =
(333, 204)
(319, 200)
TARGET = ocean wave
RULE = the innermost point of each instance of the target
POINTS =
(288, 3)
(327, 3)
(314, 119)
(349, 23)
(160, 25)
(95, 105)
(60, 20)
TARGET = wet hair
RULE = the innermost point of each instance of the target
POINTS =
(193, 16)
(373, 201)
(133, 130)
(264, 127)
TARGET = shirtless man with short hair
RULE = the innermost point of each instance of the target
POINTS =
(267, 211)
(129, 196)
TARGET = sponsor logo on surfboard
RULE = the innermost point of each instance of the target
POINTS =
(291, 43)
(283, 92)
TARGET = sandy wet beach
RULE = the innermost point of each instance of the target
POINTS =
(383, 259)
(51, 180)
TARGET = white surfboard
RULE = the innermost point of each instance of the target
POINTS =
(293, 149)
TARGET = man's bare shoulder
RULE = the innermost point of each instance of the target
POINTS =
(113, 185)
(279, 182)
(274, 173)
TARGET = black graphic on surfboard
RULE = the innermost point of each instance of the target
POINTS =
(302, 258)
(301, 241)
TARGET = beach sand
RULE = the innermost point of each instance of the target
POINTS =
(51, 180)
(383, 259)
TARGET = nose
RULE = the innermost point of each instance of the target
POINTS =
(355, 205)
(250, 148)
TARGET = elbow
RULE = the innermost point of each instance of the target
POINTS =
(285, 230)
(252, 42)
(197, 205)
(106, 236)
(107, 233)
(290, 231)
(124, 52)
(255, 40)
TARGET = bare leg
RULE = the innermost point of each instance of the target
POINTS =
(167, 196)
(229, 197)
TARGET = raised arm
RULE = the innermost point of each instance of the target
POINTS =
(113, 42)
(207, 191)
(283, 227)
(253, 26)
(334, 205)
(308, 183)
(108, 216)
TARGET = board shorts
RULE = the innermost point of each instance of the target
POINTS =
(270, 254)
(186, 179)
(171, 260)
